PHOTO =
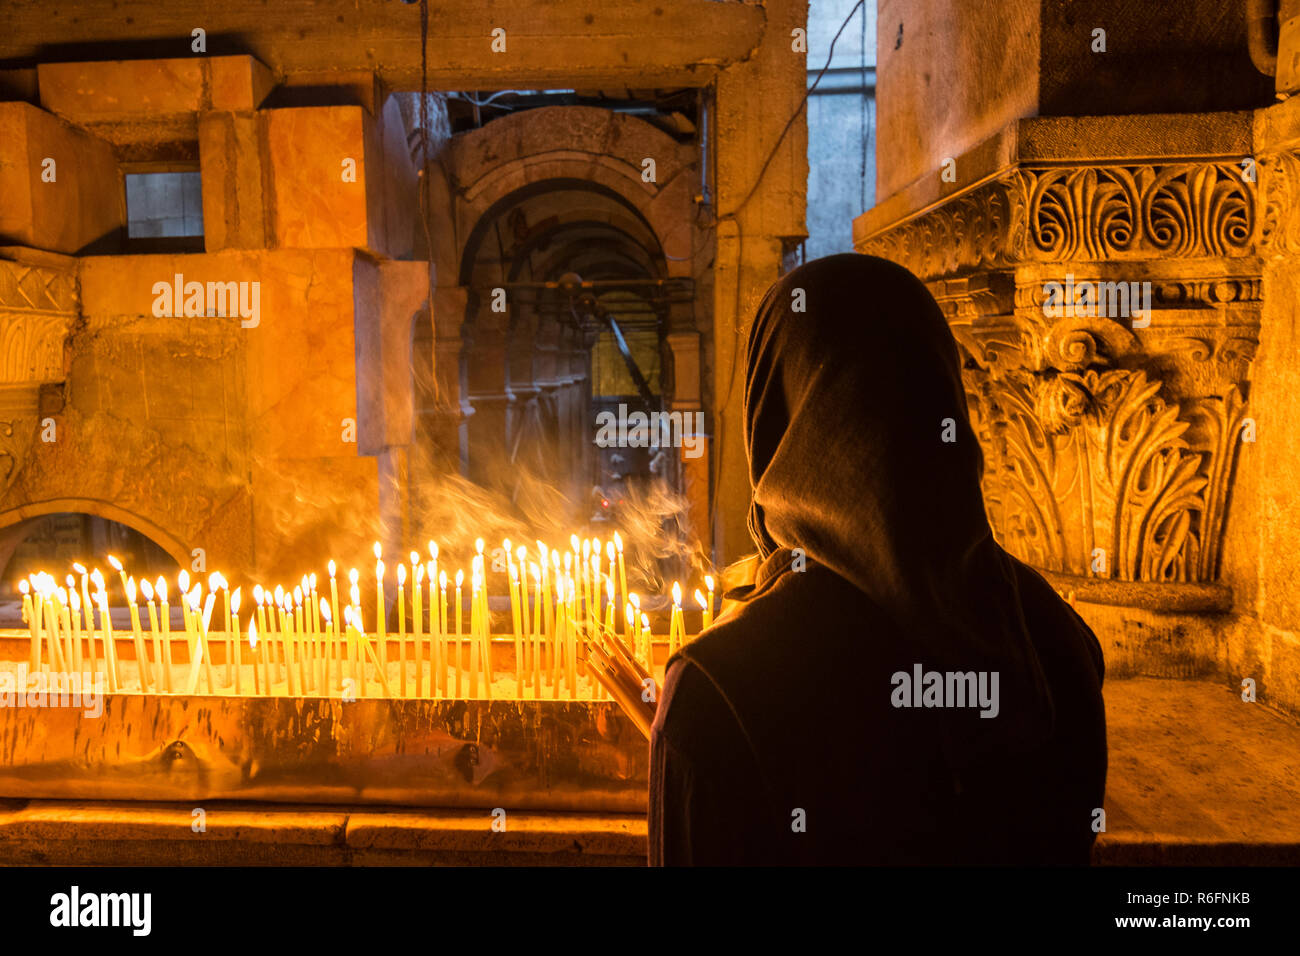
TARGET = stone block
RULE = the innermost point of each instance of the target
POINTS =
(314, 206)
(61, 186)
(119, 90)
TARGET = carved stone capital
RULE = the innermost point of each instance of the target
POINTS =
(1110, 427)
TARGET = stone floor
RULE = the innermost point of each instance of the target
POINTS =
(1197, 776)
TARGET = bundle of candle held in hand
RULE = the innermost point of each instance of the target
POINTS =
(566, 641)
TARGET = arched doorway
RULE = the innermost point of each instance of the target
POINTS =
(566, 316)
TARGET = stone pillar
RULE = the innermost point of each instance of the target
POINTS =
(442, 409)
(489, 393)
(1108, 314)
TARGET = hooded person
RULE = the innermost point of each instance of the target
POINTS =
(894, 688)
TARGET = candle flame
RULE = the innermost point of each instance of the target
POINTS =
(183, 579)
(161, 588)
(521, 553)
(415, 558)
(699, 599)
(145, 588)
(618, 542)
(194, 598)
(634, 600)
(347, 616)
(609, 550)
(311, 581)
(98, 578)
(433, 549)
(460, 578)
(708, 583)
(79, 568)
(536, 572)
(401, 575)
(630, 614)
(645, 622)
(573, 542)
(76, 600)
(252, 633)
(677, 594)
(478, 545)
(506, 544)
(442, 580)
(353, 576)
(234, 602)
(379, 571)
(379, 552)
(297, 596)
(257, 594)
(609, 588)
(24, 586)
(332, 567)
(279, 595)
(216, 581)
(419, 573)
(325, 610)
(116, 564)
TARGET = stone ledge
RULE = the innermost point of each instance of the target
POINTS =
(1197, 777)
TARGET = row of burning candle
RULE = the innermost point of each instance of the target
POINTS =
(298, 644)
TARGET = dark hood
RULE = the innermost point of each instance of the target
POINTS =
(852, 385)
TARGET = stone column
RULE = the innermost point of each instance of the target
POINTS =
(1108, 314)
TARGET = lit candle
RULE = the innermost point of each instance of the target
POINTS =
(474, 642)
(359, 654)
(435, 631)
(381, 623)
(29, 615)
(649, 646)
(300, 647)
(634, 632)
(217, 581)
(233, 604)
(516, 625)
(704, 606)
(334, 595)
(537, 629)
(351, 646)
(197, 657)
(203, 633)
(708, 608)
(675, 624)
(165, 613)
(147, 590)
(460, 579)
(401, 632)
(330, 642)
(142, 664)
(75, 601)
(111, 663)
(253, 648)
(71, 660)
(442, 635)
(259, 608)
(88, 610)
(417, 611)
(622, 570)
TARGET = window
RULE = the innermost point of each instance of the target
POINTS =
(165, 209)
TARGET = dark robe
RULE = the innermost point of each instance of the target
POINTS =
(781, 735)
